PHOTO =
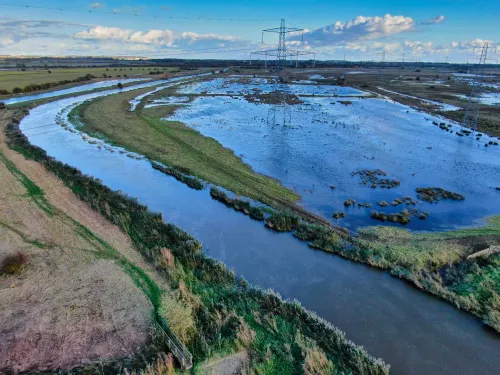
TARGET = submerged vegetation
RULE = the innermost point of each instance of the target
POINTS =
(225, 313)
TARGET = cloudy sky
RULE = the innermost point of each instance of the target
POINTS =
(432, 30)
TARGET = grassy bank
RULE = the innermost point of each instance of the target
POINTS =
(461, 266)
(176, 145)
(224, 314)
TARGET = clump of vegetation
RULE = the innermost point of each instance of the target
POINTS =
(319, 237)
(283, 221)
(367, 205)
(349, 202)
(273, 98)
(345, 102)
(192, 182)
(373, 178)
(383, 204)
(221, 196)
(404, 200)
(378, 215)
(337, 215)
(13, 264)
(238, 204)
(434, 195)
(2, 104)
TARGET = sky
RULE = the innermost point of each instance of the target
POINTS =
(366, 30)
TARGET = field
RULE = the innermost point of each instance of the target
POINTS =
(9, 79)
(438, 85)
(176, 145)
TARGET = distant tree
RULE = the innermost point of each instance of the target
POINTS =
(418, 78)
(119, 85)
(49, 71)
(17, 90)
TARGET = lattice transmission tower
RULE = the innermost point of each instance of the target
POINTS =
(472, 109)
(280, 93)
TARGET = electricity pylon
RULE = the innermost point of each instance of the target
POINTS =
(280, 93)
(472, 109)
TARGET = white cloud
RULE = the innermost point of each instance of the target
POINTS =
(469, 45)
(359, 28)
(104, 33)
(158, 38)
(434, 21)
(97, 5)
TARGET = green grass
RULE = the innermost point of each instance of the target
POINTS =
(176, 145)
(10, 79)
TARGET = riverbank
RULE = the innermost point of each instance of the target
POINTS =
(227, 313)
(444, 269)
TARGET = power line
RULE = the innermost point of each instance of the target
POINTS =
(471, 115)
(193, 51)
(134, 14)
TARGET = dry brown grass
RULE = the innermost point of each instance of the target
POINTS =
(70, 307)
(315, 361)
(164, 365)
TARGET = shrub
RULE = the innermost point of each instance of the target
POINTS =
(13, 263)
(179, 316)
(17, 90)
(283, 221)
(119, 85)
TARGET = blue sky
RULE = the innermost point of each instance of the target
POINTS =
(359, 30)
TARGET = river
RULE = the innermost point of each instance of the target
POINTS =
(411, 330)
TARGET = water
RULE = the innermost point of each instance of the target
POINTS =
(72, 90)
(326, 141)
(414, 332)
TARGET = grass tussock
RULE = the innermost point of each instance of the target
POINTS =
(13, 264)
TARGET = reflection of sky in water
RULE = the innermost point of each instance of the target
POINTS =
(327, 141)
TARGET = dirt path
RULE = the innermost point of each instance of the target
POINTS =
(70, 305)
